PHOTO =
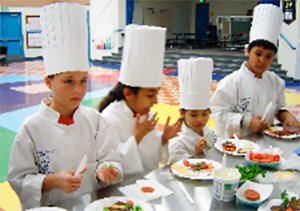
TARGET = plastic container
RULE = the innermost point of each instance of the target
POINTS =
(225, 184)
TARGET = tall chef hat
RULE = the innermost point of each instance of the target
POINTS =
(266, 23)
(143, 56)
(64, 31)
(195, 77)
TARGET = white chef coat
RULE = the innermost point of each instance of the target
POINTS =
(184, 145)
(136, 158)
(43, 146)
(241, 96)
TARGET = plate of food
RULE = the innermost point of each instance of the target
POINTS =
(285, 203)
(195, 169)
(236, 147)
(270, 157)
(278, 132)
(121, 203)
(254, 194)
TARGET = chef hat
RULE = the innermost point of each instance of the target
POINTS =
(64, 31)
(143, 56)
(195, 76)
(266, 23)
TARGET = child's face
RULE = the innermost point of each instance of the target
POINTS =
(196, 119)
(143, 100)
(67, 89)
(260, 60)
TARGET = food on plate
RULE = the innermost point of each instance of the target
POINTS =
(147, 189)
(264, 157)
(252, 195)
(229, 146)
(198, 166)
(288, 204)
(242, 151)
(250, 172)
(281, 133)
(123, 206)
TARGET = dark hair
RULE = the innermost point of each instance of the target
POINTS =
(265, 44)
(116, 94)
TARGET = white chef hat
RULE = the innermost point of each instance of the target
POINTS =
(266, 23)
(195, 77)
(64, 31)
(143, 56)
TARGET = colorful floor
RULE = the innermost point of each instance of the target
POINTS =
(22, 88)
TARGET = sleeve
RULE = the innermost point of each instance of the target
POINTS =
(281, 96)
(210, 137)
(177, 151)
(23, 174)
(224, 106)
(131, 161)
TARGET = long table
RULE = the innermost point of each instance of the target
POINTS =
(201, 191)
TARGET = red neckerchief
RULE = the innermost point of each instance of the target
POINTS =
(65, 121)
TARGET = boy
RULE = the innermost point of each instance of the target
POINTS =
(242, 97)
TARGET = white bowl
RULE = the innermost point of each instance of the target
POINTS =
(265, 191)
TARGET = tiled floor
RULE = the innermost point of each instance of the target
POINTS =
(22, 88)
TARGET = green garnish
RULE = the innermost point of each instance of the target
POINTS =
(285, 199)
(250, 172)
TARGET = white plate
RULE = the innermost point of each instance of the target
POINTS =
(271, 150)
(279, 128)
(240, 144)
(106, 202)
(268, 204)
(265, 191)
(180, 170)
(46, 209)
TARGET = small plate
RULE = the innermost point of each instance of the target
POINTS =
(265, 191)
(180, 170)
(271, 151)
(241, 144)
(106, 202)
(272, 132)
(269, 204)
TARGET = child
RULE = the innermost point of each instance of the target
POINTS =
(195, 77)
(52, 142)
(127, 107)
(242, 98)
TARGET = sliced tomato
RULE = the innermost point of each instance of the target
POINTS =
(186, 163)
(130, 203)
(147, 189)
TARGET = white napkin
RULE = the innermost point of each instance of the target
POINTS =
(292, 163)
(269, 112)
(134, 190)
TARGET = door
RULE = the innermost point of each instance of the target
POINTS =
(11, 34)
(202, 20)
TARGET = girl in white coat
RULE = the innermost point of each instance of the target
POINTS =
(195, 137)
(241, 98)
(127, 106)
(52, 142)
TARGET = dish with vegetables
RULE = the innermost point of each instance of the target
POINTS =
(250, 172)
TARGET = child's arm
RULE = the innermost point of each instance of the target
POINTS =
(23, 174)
(289, 121)
(170, 131)
(177, 150)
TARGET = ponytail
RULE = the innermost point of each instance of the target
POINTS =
(116, 94)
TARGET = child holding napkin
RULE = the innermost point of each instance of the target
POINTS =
(245, 98)
(51, 143)
(127, 106)
(194, 75)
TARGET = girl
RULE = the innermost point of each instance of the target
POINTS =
(52, 142)
(127, 107)
(194, 83)
(242, 97)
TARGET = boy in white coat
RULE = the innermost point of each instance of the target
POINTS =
(127, 106)
(243, 97)
(52, 142)
(194, 77)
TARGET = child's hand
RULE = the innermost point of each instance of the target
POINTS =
(201, 144)
(257, 125)
(291, 124)
(143, 127)
(108, 175)
(171, 131)
(65, 181)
